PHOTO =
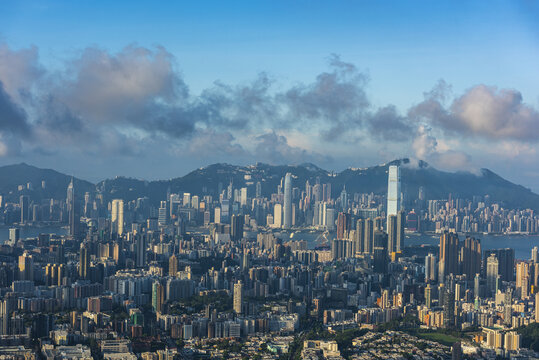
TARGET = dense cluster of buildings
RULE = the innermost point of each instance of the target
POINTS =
(199, 275)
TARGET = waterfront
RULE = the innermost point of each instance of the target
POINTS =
(521, 243)
(31, 231)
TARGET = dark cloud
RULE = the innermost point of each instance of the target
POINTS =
(235, 107)
(12, 117)
(336, 100)
(387, 124)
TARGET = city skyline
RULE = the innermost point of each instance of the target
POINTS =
(99, 106)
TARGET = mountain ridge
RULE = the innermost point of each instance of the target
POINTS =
(205, 180)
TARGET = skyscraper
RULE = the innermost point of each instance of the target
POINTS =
(84, 261)
(343, 225)
(391, 233)
(380, 252)
(173, 265)
(449, 255)
(492, 273)
(470, 257)
(522, 279)
(238, 297)
(158, 296)
(72, 209)
(26, 267)
(369, 232)
(393, 190)
(140, 248)
(287, 210)
(236, 227)
(277, 215)
(506, 260)
(117, 216)
(401, 220)
(359, 241)
(430, 268)
(428, 296)
(24, 204)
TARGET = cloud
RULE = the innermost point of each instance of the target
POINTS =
(275, 149)
(424, 144)
(335, 100)
(235, 107)
(209, 143)
(387, 124)
(482, 111)
(19, 70)
(12, 117)
(453, 160)
(427, 147)
(135, 102)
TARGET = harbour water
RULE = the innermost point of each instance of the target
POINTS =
(521, 243)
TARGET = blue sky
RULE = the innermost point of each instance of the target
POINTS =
(400, 49)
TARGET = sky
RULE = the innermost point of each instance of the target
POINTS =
(99, 89)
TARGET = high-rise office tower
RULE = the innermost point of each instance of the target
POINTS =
(238, 297)
(158, 296)
(26, 267)
(393, 190)
(449, 255)
(380, 252)
(117, 216)
(428, 296)
(163, 215)
(391, 233)
(537, 307)
(72, 209)
(243, 197)
(430, 267)
(343, 225)
(470, 257)
(449, 307)
(140, 248)
(173, 266)
(359, 241)
(25, 208)
(492, 273)
(401, 221)
(369, 233)
(506, 260)
(287, 208)
(277, 215)
(341, 249)
(522, 279)
(84, 261)
(236, 227)
(14, 235)
(258, 189)
(535, 255)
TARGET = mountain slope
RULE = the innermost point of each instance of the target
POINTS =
(11, 176)
(210, 179)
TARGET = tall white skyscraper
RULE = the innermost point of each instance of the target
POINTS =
(287, 211)
(238, 297)
(393, 191)
(277, 216)
(117, 216)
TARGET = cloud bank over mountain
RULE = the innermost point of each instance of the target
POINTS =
(118, 110)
